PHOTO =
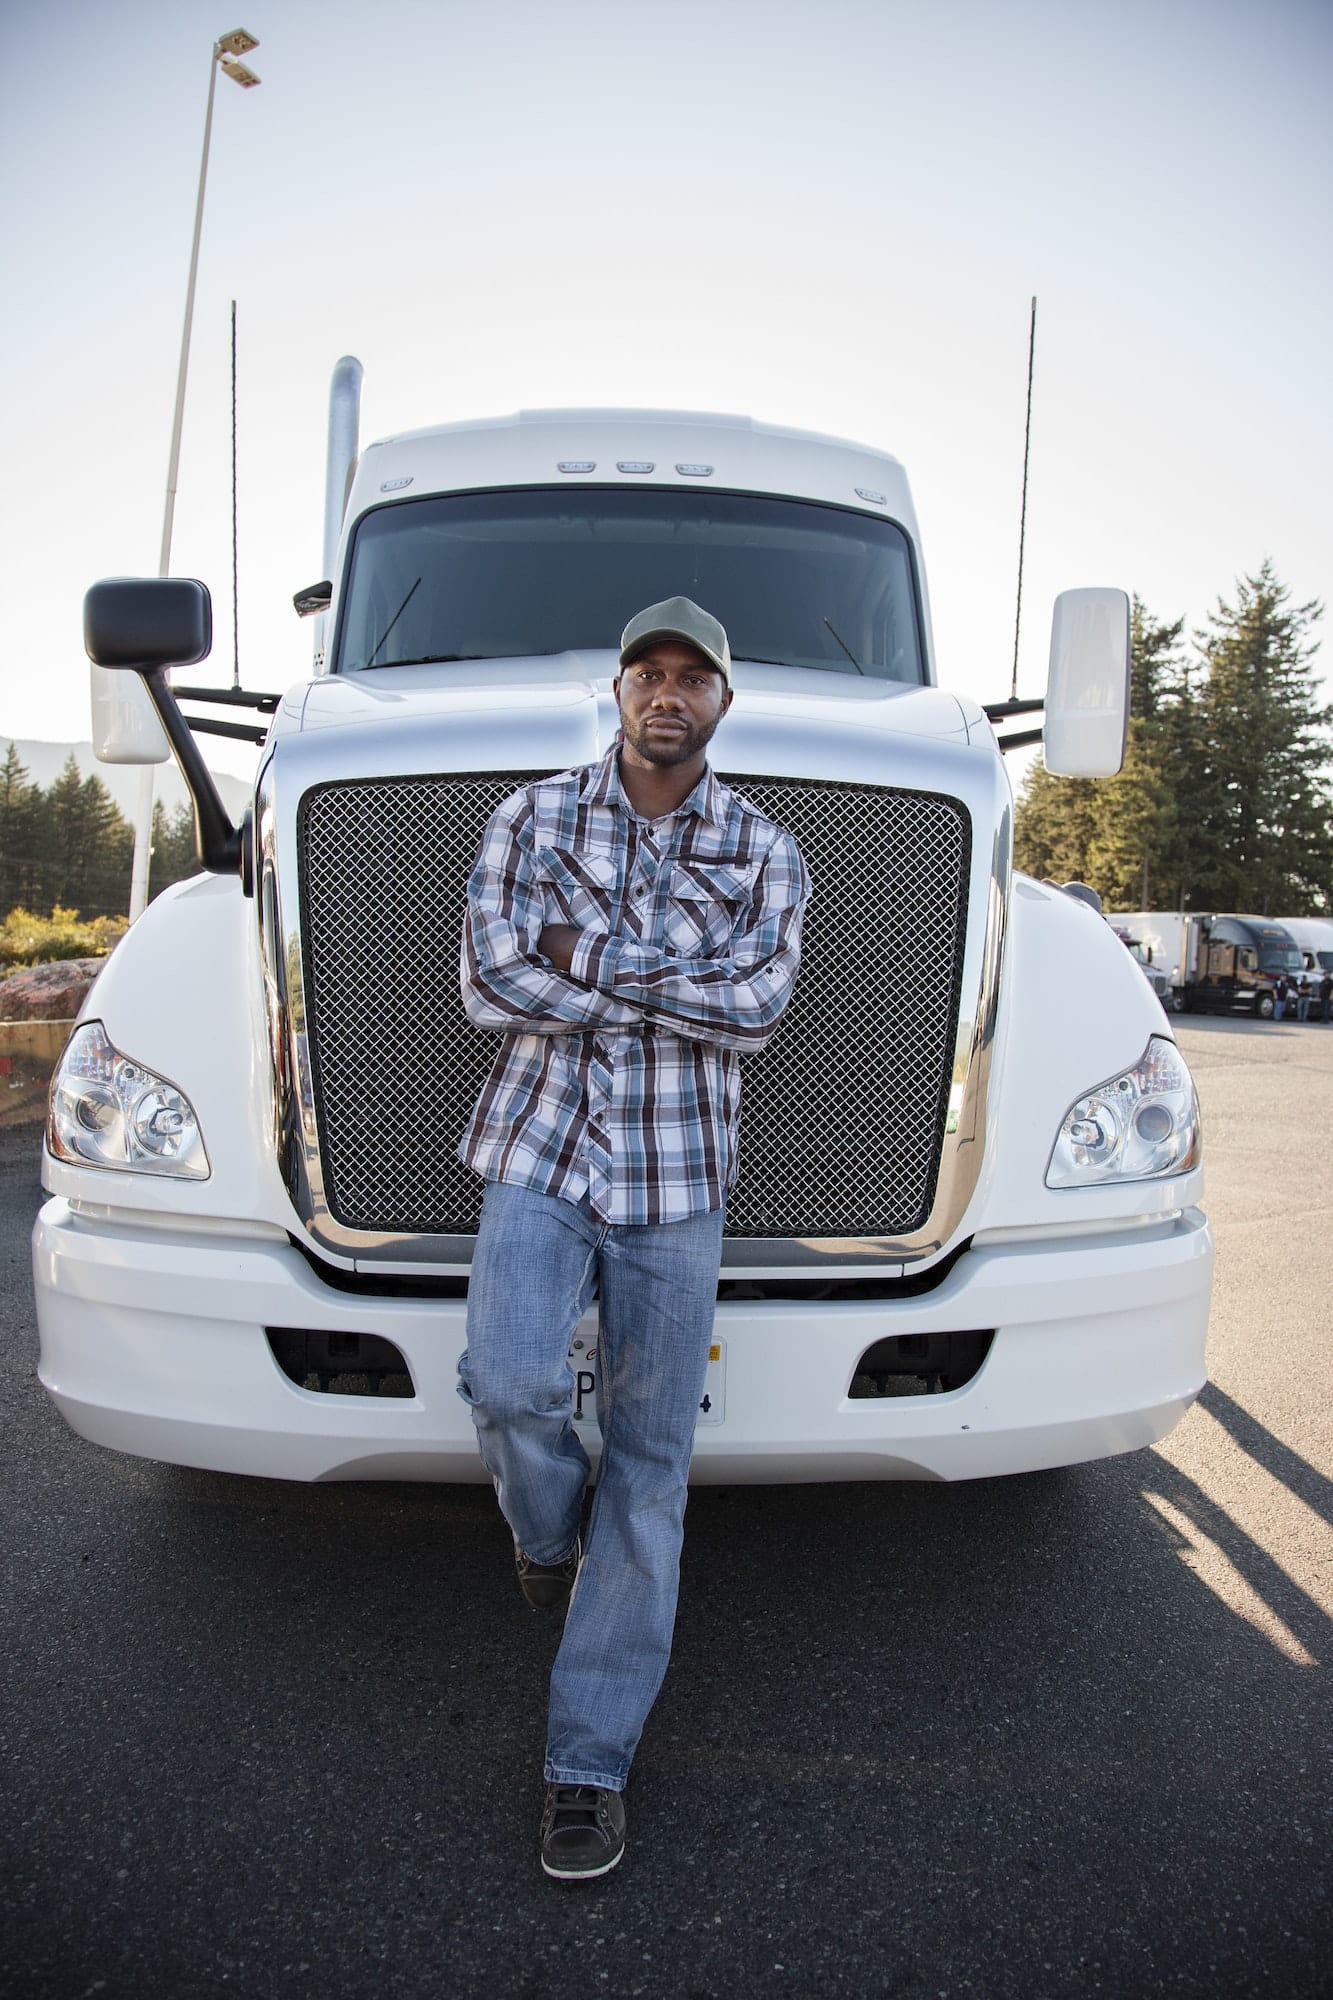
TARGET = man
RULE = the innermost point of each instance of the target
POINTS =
(632, 929)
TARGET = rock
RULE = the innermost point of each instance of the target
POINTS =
(48, 992)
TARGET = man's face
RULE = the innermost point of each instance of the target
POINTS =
(671, 700)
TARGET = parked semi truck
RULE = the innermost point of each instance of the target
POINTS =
(1216, 964)
(1313, 939)
(965, 1239)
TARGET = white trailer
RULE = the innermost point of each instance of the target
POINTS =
(970, 1160)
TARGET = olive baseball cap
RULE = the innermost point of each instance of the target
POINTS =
(677, 618)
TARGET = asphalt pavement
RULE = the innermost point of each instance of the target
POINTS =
(1058, 1735)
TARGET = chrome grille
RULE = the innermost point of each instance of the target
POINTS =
(843, 1114)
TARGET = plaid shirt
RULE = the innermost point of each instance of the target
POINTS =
(622, 1078)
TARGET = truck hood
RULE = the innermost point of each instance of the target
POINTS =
(554, 711)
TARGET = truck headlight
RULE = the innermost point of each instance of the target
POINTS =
(1137, 1126)
(106, 1111)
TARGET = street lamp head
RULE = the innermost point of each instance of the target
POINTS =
(238, 73)
(238, 43)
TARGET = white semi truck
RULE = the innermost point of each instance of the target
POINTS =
(1313, 938)
(965, 1239)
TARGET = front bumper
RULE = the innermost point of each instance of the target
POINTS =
(153, 1342)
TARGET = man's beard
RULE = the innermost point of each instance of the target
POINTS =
(668, 751)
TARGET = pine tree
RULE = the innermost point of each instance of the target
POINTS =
(1142, 810)
(88, 847)
(1054, 825)
(1135, 823)
(1154, 663)
(175, 857)
(1266, 842)
(21, 823)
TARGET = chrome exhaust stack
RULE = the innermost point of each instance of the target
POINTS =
(340, 464)
(344, 443)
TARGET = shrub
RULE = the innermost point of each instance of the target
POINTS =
(26, 939)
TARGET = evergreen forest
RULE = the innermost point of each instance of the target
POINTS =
(69, 847)
(1225, 799)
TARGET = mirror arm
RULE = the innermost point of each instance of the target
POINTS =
(239, 732)
(1000, 711)
(228, 697)
(1018, 739)
(222, 847)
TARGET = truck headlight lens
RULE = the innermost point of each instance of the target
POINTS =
(1137, 1126)
(107, 1111)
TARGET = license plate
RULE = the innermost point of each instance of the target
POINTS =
(583, 1360)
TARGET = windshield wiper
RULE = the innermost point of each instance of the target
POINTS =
(422, 660)
(392, 622)
(845, 647)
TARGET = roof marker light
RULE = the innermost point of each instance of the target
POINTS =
(695, 471)
(576, 465)
(396, 485)
(634, 465)
(869, 493)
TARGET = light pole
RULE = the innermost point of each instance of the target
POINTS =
(227, 53)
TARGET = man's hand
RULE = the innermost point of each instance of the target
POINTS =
(557, 943)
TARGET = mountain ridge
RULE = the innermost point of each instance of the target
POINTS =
(44, 762)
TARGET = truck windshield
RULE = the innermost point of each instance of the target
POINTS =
(503, 575)
(1274, 958)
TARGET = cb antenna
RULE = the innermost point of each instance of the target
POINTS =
(1023, 515)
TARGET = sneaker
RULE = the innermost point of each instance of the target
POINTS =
(583, 1832)
(547, 1585)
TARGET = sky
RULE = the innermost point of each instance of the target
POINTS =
(826, 213)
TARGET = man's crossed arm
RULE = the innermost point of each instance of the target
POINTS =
(569, 979)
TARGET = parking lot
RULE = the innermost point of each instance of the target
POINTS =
(1058, 1735)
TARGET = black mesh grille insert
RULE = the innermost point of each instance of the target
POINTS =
(843, 1113)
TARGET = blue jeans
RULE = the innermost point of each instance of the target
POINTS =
(538, 1264)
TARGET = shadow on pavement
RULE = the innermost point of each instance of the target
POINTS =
(1286, 1465)
(991, 1739)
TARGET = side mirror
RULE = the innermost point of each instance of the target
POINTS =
(145, 625)
(314, 598)
(129, 623)
(1087, 689)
